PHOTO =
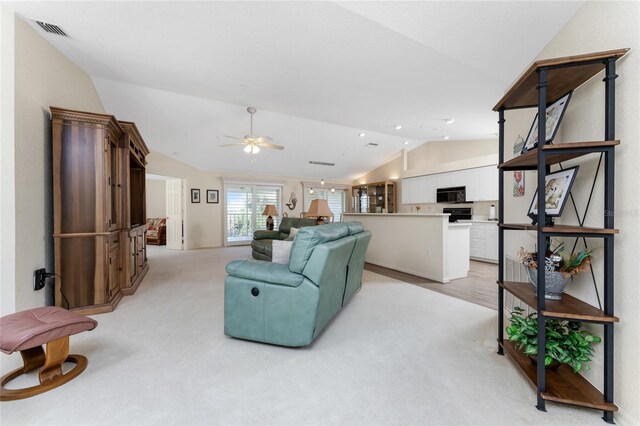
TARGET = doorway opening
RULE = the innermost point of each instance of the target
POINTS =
(165, 199)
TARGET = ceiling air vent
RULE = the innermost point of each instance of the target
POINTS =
(322, 163)
(371, 145)
(51, 28)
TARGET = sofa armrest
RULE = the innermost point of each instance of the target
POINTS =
(259, 270)
(266, 235)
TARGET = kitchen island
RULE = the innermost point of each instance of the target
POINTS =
(426, 245)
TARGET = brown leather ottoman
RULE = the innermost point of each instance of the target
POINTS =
(26, 332)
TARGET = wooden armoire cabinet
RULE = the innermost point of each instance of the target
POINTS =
(93, 211)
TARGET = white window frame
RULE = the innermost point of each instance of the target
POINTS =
(226, 183)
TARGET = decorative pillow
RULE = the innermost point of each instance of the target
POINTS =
(280, 251)
(292, 232)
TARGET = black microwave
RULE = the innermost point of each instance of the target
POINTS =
(455, 194)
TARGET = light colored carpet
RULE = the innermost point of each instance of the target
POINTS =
(398, 354)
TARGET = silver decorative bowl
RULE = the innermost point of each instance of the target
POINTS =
(554, 283)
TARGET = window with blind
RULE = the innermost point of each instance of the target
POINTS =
(336, 201)
(244, 205)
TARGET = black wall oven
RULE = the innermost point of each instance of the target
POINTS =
(454, 194)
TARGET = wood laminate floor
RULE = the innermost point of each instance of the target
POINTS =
(479, 287)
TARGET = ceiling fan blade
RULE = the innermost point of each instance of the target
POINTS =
(271, 145)
(233, 144)
(233, 137)
(263, 139)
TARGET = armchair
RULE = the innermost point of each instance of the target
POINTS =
(157, 231)
(261, 246)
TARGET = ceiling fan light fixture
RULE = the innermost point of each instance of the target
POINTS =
(251, 149)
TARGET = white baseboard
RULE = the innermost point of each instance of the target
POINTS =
(622, 419)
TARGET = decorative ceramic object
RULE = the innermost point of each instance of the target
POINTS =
(554, 283)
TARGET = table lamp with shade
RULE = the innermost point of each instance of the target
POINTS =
(319, 209)
(270, 211)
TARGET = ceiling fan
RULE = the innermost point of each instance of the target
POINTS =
(253, 143)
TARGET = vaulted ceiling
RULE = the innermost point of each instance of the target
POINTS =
(318, 72)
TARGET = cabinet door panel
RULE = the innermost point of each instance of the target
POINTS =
(78, 179)
(491, 244)
(407, 190)
(423, 190)
(472, 184)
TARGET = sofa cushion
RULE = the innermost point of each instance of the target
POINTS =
(308, 238)
(354, 227)
(263, 247)
(259, 270)
(280, 251)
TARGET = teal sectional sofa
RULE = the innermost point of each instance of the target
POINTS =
(290, 305)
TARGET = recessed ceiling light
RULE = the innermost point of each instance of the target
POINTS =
(361, 134)
(449, 120)
(406, 142)
(446, 138)
(398, 127)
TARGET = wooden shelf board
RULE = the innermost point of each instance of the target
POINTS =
(555, 154)
(559, 229)
(562, 385)
(567, 308)
(569, 73)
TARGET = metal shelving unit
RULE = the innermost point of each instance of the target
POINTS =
(543, 83)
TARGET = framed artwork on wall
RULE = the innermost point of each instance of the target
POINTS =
(212, 196)
(555, 112)
(195, 195)
(518, 183)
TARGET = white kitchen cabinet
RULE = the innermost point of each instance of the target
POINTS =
(481, 185)
(483, 241)
(409, 190)
(487, 182)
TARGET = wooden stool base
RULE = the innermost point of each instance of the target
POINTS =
(14, 394)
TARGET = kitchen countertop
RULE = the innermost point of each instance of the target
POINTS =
(478, 221)
(454, 224)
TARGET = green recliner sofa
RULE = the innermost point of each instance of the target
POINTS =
(261, 246)
(290, 305)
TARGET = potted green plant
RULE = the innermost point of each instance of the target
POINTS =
(557, 268)
(566, 342)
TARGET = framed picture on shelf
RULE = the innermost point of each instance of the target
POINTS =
(555, 112)
(195, 195)
(556, 192)
(212, 196)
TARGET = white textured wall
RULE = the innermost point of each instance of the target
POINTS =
(7, 166)
(596, 27)
(156, 196)
(433, 153)
(43, 77)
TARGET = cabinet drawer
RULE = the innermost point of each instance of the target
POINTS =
(476, 252)
(477, 243)
(477, 233)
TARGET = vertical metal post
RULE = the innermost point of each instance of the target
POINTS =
(609, 216)
(542, 136)
(500, 232)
